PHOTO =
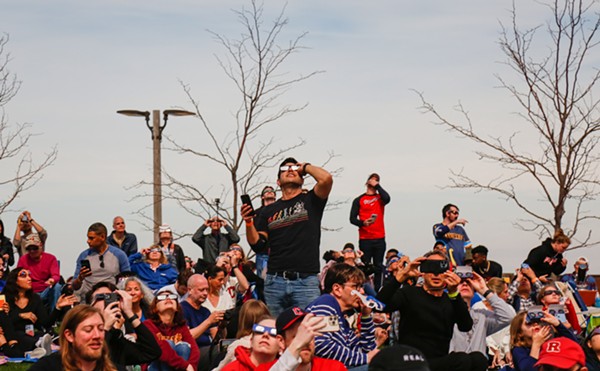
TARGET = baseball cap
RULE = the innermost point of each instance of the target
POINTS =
(399, 358)
(33, 239)
(288, 317)
(562, 353)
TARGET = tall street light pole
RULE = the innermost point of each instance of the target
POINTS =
(156, 129)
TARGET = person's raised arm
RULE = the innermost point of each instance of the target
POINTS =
(323, 177)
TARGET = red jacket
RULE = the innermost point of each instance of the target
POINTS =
(317, 364)
(242, 361)
(162, 333)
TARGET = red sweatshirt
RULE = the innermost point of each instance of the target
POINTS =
(41, 271)
(242, 361)
(162, 333)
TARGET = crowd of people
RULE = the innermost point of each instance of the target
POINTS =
(367, 308)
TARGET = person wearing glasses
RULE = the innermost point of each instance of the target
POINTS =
(27, 317)
(580, 278)
(551, 295)
(292, 228)
(264, 348)
(166, 321)
(452, 233)
(24, 228)
(44, 269)
(216, 241)
(341, 284)
(101, 262)
(153, 268)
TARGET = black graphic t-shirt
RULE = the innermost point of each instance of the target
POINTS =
(294, 229)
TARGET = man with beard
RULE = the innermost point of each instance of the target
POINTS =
(292, 228)
(298, 329)
(428, 313)
(82, 345)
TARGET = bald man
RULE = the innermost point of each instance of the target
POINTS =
(202, 323)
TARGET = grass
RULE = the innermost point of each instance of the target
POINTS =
(15, 366)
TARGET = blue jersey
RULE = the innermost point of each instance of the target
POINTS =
(456, 241)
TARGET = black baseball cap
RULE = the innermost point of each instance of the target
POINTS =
(288, 317)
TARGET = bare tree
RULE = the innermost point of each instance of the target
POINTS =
(254, 62)
(20, 171)
(555, 93)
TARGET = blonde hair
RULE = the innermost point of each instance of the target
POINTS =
(560, 237)
(253, 311)
(496, 284)
(67, 351)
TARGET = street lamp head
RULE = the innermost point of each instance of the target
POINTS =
(132, 112)
(177, 112)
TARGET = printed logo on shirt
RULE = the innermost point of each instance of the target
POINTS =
(368, 201)
(454, 236)
(286, 217)
(174, 338)
(550, 260)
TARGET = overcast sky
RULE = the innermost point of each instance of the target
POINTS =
(80, 62)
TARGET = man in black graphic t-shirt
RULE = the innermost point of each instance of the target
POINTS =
(292, 226)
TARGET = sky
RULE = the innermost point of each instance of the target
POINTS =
(80, 62)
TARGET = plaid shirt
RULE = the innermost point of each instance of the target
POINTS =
(528, 302)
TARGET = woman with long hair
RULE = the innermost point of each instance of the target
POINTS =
(141, 296)
(527, 334)
(551, 295)
(252, 311)
(153, 268)
(166, 322)
(26, 312)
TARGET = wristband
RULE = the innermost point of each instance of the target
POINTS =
(485, 294)
(249, 222)
(132, 318)
(304, 167)
(453, 295)
(235, 266)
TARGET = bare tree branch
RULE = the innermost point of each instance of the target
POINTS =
(555, 94)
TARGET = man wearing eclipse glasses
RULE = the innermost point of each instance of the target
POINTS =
(292, 228)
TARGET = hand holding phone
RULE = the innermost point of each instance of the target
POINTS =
(247, 201)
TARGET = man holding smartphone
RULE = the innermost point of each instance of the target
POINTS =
(341, 284)
(428, 313)
(292, 228)
(367, 214)
(104, 261)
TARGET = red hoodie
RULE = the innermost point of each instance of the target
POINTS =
(242, 362)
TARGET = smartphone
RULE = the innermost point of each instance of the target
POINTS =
(373, 217)
(111, 298)
(67, 290)
(247, 201)
(434, 266)
(86, 263)
(332, 323)
(464, 272)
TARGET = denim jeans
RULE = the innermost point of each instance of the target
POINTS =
(182, 349)
(281, 293)
(50, 295)
(374, 249)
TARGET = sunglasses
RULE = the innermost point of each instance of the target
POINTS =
(289, 167)
(550, 292)
(155, 249)
(347, 251)
(23, 274)
(267, 191)
(32, 248)
(453, 212)
(101, 257)
(260, 329)
(235, 248)
(162, 297)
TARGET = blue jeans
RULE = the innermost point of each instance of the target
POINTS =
(374, 249)
(281, 293)
(182, 349)
(50, 295)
